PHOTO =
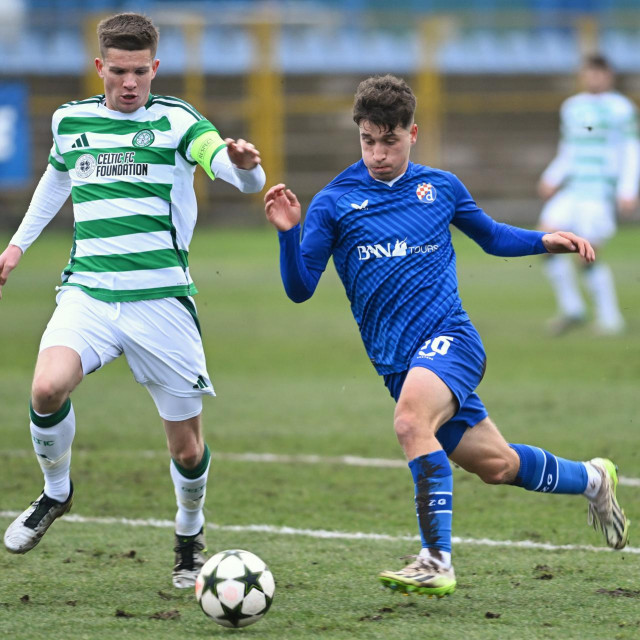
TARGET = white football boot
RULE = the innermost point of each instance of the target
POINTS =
(604, 511)
(24, 533)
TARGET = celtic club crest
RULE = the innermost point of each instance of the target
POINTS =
(143, 138)
(426, 192)
(85, 165)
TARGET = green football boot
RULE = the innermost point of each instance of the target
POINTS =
(422, 576)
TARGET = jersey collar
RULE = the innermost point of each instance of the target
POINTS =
(391, 184)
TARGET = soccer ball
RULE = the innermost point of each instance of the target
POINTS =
(235, 588)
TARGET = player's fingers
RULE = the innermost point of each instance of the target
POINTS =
(569, 241)
(291, 197)
(587, 252)
(272, 191)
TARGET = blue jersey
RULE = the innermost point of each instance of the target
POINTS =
(392, 249)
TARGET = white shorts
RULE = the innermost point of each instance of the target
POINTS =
(159, 339)
(593, 219)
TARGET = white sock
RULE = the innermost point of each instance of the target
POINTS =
(52, 436)
(441, 558)
(594, 481)
(599, 281)
(190, 494)
(562, 276)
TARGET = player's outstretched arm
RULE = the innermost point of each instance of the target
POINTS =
(8, 262)
(282, 208)
(567, 242)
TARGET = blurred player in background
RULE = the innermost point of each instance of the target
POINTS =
(385, 221)
(596, 171)
(127, 158)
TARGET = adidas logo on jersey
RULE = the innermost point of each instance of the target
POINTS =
(360, 207)
(81, 142)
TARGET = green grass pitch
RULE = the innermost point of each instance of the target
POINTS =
(294, 380)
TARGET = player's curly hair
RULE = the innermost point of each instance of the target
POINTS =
(386, 101)
(128, 31)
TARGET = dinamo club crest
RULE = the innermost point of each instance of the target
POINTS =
(143, 138)
(85, 165)
(426, 192)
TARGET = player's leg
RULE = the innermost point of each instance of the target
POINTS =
(189, 468)
(556, 215)
(168, 359)
(561, 273)
(442, 374)
(190, 461)
(424, 404)
(599, 280)
(52, 425)
(597, 224)
(482, 450)
(75, 335)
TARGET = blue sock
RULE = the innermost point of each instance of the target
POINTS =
(434, 499)
(542, 471)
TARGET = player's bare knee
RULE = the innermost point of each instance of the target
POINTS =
(408, 426)
(189, 456)
(47, 395)
(405, 425)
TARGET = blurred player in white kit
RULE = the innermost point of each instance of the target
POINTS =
(595, 174)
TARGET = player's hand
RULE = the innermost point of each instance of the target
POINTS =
(567, 242)
(8, 262)
(242, 153)
(282, 208)
(546, 190)
(626, 206)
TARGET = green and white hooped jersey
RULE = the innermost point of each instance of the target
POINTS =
(133, 199)
(598, 154)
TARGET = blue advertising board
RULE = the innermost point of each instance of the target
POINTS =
(15, 143)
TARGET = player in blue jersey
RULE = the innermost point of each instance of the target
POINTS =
(385, 221)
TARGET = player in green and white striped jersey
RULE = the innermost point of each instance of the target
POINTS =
(127, 158)
(596, 171)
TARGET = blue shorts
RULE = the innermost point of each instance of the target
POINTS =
(456, 355)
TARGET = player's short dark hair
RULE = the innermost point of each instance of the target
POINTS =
(128, 31)
(385, 101)
(597, 61)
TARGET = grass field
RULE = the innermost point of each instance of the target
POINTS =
(295, 381)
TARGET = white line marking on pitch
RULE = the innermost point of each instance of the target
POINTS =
(351, 461)
(330, 535)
